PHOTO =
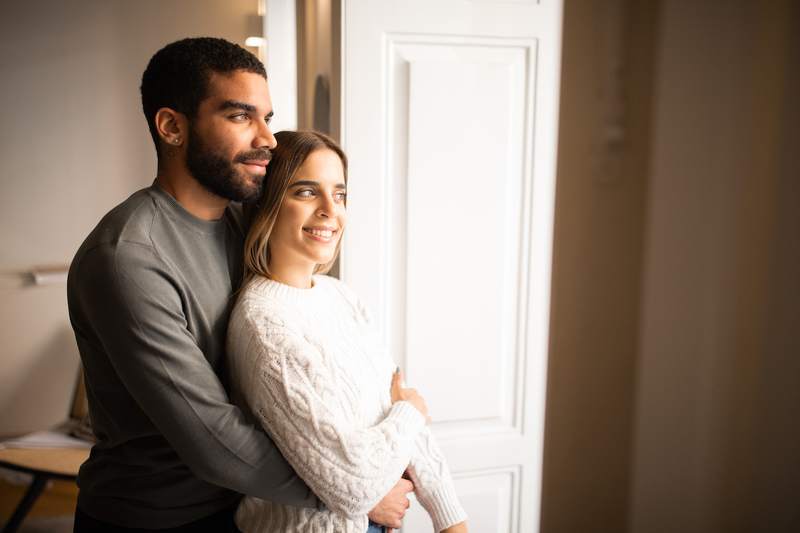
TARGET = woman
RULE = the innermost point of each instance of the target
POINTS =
(307, 364)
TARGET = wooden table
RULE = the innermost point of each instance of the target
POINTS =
(44, 464)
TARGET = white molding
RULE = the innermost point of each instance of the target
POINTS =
(280, 34)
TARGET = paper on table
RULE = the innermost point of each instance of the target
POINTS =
(45, 439)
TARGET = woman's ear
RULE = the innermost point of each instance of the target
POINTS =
(171, 126)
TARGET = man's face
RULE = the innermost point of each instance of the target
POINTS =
(230, 140)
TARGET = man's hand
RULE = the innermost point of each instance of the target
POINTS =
(390, 510)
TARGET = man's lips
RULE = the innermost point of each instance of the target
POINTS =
(256, 162)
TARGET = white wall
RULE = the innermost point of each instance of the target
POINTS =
(74, 144)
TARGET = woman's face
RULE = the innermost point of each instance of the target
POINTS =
(312, 215)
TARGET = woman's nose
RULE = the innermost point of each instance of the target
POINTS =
(326, 207)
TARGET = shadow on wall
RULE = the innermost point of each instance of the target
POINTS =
(35, 395)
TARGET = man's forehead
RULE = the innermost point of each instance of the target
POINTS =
(240, 86)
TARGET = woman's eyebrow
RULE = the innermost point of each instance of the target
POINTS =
(312, 183)
(308, 183)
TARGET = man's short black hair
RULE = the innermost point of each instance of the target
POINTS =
(177, 76)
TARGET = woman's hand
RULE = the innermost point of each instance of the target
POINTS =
(461, 527)
(409, 395)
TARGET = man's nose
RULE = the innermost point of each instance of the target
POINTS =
(265, 138)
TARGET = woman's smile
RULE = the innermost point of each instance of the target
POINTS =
(321, 233)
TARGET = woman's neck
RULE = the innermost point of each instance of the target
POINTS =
(298, 276)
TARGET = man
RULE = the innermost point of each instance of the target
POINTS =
(150, 291)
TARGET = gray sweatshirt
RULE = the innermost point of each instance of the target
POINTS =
(149, 292)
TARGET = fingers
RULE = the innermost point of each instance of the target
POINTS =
(396, 390)
(406, 486)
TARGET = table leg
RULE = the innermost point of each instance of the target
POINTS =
(33, 492)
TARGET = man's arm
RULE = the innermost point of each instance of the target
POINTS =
(136, 315)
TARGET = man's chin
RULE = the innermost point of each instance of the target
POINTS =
(251, 187)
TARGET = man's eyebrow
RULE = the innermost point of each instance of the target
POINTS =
(228, 104)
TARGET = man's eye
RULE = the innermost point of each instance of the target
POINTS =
(240, 117)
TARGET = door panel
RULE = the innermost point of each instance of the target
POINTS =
(494, 493)
(449, 119)
(475, 180)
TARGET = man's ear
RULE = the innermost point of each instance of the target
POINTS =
(172, 126)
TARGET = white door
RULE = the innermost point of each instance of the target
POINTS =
(449, 117)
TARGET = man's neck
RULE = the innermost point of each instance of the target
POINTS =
(192, 196)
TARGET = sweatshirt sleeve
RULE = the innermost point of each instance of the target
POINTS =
(303, 405)
(124, 303)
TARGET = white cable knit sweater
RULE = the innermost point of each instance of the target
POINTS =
(309, 367)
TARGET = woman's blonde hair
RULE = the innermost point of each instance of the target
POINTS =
(292, 150)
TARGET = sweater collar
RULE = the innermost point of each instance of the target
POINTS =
(287, 293)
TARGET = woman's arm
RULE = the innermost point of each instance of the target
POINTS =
(428, 471)
(303, 404)
(433, 484)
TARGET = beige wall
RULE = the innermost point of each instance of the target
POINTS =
(674, 377)
(716, 445)
(600, 201)
(74, 144)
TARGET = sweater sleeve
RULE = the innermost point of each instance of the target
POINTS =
(433, 484)
(124, 304)
(304, 406)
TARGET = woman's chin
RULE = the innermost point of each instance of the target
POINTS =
(324, 260)
(322, 257)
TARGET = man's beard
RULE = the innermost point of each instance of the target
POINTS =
(218, 174)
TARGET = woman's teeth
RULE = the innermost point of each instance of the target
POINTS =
(324, 233)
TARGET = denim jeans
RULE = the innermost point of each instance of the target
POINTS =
(375, 528)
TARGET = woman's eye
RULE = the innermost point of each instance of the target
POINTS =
(340, 196)
(304, 193)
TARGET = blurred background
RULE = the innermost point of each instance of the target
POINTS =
(673, 382)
